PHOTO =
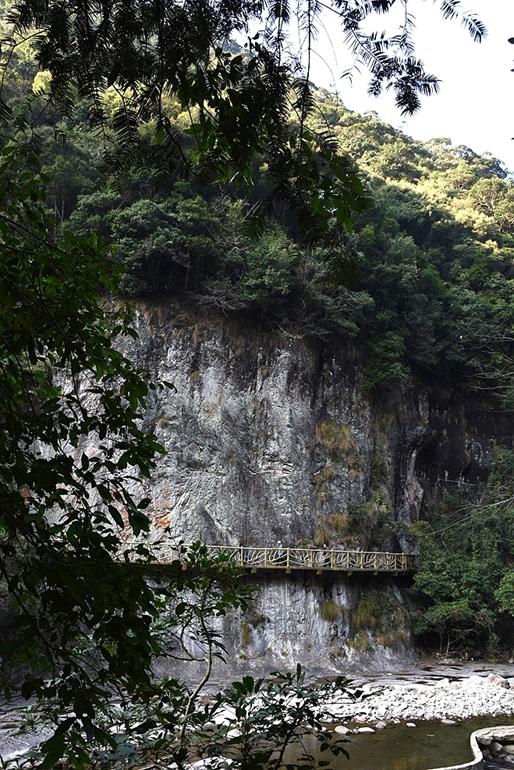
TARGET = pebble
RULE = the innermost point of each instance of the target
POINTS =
(410, 724)
(342, 730)
(365, 730)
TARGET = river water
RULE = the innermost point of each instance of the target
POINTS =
(429, 745)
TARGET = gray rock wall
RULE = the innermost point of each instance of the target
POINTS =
(273, 438)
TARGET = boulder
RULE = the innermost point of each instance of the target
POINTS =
(496, 747)
(473, 681)
(495, 680)
(342, 730)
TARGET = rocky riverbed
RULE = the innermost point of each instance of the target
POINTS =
(473, 696)
(367, 707)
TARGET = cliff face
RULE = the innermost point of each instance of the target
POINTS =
(272, 438)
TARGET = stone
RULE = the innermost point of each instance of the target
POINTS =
(380, 726)
(473, 681)
(234, 733)
(410, 724)
(365, 730)
(497, 681)
(448, 721)
(14, 756)
(509, 748)
(342, 730)
(496, 747)
(225, 718)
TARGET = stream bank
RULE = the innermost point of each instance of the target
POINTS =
(472, 696)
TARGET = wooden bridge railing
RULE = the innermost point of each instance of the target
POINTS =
(319, 559)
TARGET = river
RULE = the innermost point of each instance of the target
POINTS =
(429, 745)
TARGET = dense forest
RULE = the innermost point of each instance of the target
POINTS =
(423, 284)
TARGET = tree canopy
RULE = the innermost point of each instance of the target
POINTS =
(243, 109)
(463, 587)
(422, 286)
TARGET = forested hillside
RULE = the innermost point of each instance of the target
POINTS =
(422, 284)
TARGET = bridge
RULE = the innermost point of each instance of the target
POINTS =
(254, 558)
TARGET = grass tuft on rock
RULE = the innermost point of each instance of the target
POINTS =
(337, 440)
(330, 610)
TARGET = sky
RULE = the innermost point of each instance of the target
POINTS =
(475, 106)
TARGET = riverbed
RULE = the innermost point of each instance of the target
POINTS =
(470, 697)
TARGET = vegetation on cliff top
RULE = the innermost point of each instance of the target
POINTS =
(423, 285)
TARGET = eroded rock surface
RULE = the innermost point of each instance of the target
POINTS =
(272, 440)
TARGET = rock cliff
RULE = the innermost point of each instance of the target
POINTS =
(272, 438)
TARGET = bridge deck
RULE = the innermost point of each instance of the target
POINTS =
(318, 559)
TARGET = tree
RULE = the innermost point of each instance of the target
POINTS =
(64, 383)
(465, 572)
(242, 108)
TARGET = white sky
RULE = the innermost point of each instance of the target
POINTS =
(476, 99)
